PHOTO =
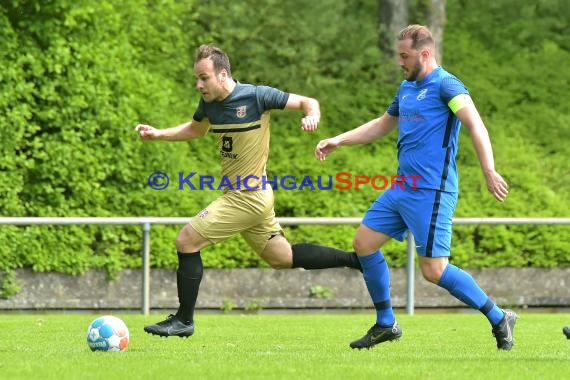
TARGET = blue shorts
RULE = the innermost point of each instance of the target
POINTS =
(426, 213)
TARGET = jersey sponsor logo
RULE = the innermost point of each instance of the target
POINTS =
(229, 155)
(422, 94)
(411, 116)
(202, 214)
(227, 143)
(227, 148)
(241, 111)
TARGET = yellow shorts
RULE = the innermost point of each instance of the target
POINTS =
(249, 213)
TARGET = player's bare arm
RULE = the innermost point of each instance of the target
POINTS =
(187, 131)
(471, 119)
(311, 109)
(366, 133)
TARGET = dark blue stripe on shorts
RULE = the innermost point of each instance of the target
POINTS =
(432, 224)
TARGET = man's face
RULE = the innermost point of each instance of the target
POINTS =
(409, 59)
(208, 82)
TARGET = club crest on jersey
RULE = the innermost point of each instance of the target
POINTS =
(241, 111)
(422, 94)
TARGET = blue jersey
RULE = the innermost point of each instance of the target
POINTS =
(428, 130)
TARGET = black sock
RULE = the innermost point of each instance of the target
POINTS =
(312, 256)
(188, 278)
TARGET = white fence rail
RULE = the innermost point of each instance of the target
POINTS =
(146, 222)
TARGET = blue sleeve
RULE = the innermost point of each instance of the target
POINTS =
(451, 87)
(269, 98)
(394, 109)
(200, 113)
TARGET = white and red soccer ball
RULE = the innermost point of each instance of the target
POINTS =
(108, 333)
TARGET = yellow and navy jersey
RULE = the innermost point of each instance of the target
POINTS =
(241, 122)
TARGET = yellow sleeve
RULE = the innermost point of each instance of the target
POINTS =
(458, 102)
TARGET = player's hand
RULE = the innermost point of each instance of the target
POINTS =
(147, 132)
(497, 185)
(310, 123)
(324, 147)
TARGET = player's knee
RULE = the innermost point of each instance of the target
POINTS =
(184, 241)
(279, 264)
(180, 243)
(278, 253)
(278, 260)
(431, 277)
(432, 268)
(431, 274)
(361, 246)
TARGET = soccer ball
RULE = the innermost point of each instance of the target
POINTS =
(108, 333)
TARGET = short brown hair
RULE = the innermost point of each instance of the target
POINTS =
(218, 57)
(419, 34)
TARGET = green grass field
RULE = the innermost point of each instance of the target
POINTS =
(285, 346)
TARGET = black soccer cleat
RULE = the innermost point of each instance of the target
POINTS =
(503, 332)
(378, 334)
(171, 326)
(566, 331)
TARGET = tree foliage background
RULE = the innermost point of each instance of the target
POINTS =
(77, 76)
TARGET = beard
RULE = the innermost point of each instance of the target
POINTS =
(413, 73)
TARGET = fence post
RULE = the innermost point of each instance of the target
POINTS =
(410, 273)
(146, 268)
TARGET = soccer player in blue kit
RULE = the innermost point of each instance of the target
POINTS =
(429, 108)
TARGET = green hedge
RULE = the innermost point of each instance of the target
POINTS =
(77, 76)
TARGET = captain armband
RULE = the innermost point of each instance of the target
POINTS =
(458, 102)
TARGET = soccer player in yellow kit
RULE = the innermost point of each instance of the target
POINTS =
(239, 116)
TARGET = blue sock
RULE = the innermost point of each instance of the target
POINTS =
(377, 277)
(463, 287)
